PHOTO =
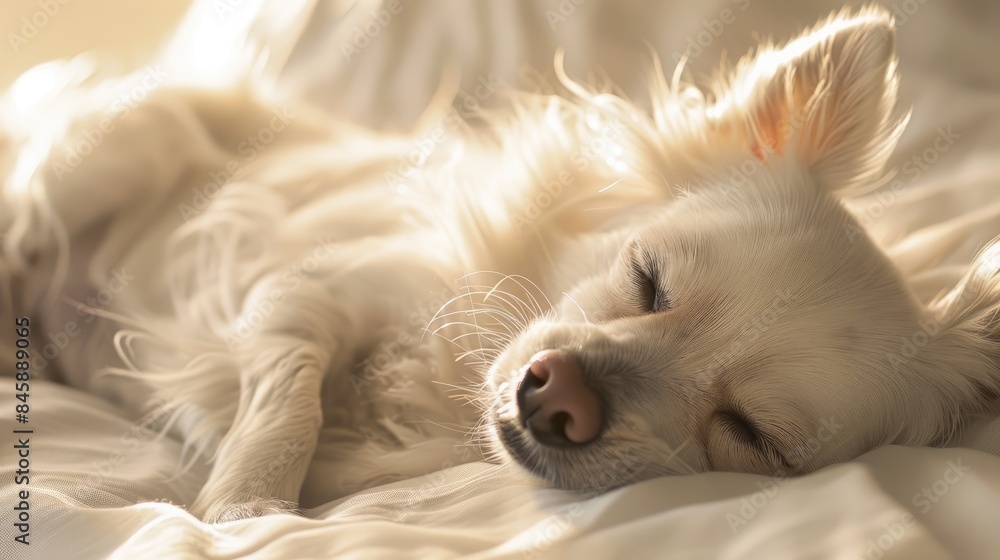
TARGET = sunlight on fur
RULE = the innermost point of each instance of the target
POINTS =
(686, 294)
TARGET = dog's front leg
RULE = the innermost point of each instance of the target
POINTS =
(283, 354)
(262, 461)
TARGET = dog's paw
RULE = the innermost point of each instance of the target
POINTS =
(222, 513)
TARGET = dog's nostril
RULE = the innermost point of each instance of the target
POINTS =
(534, 379)
(555, 404)
(558, 423)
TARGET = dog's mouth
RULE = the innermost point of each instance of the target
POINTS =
(542, 453)
(511, 426)
(511, 438)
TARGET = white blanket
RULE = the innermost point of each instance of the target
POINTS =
(895, 502)
(93, 471)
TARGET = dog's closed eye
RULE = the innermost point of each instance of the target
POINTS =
(645, 289)
(739, 428)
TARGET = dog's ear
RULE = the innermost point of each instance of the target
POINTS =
(825, 98)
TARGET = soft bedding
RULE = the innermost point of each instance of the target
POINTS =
(95, 472)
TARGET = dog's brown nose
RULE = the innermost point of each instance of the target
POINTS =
(555, 403)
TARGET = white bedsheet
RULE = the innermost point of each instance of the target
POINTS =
(891, 503)
(873, 505)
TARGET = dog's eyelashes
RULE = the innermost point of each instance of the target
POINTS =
(740, 428)
(744, 430)
(646, 286)
(645, 289)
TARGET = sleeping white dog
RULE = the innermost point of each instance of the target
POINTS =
(628, 294)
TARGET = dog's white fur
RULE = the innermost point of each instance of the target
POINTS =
(289, 307)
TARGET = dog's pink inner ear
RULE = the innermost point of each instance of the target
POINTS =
(825, 98)
(772, 132)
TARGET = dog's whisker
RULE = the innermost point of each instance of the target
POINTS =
(456, 391)
(477, 329)
(461, 310)
(445, 306)
(457, 428)
(496, 288)
(530, 310)
(485, 360)
(498, 315)
(518, 279)
(522, 308)
(493, 313)
(582, 312)
(485, 354)
(501, 316)
(468, 388)
(495, 338)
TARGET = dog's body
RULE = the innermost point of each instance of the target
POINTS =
(318, 293)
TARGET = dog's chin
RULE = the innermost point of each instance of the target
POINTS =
(515, 443)
(511, 437)
(590, 469)
(504, 420)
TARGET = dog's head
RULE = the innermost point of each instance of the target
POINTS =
(751, 325)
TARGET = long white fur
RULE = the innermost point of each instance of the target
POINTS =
(266, 386)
